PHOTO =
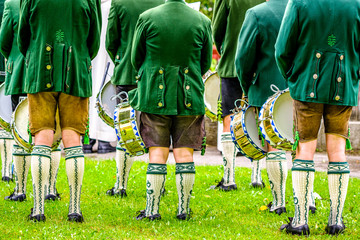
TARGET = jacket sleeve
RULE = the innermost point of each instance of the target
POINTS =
(93, 40)
(6, 32)
(206, 52)
(24, 32)
(138, 51)
(245, 60)
(113, 32)
(286, 43)
(219, 23)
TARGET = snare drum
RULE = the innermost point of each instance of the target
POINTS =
(245, 134)
(127, 131)
(5, 109)
(106, 103)
(276, 120)
(211, 94)
(20, 126)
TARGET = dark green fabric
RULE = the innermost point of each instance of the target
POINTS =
(317, 50)
(255, 61)
(119, 35)
(15, 65)
(227, 20)
(2, 59)
(59, 39)
(172, 49)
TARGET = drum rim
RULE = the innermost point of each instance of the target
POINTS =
(100, 110)
(211, 115)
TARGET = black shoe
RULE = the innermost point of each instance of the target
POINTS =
(301, 230)
(36, 218)
(151, 218)
(7, 179)
(278, 211)
(184, 216)
(53, 197)
(87, 148)
(105, 147)
(258, 185)
(121, 193)
(75, 217)
(335, 229)
(18, 198)
(10, 196)
(312, 209)
(221, 186)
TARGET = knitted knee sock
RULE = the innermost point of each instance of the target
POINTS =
(54, 167)
(185, 178)
(74, 158)
(303, 172)
(40, 165)
(256, 171)
(338, 178)
(22, 161)
(155, 180)
(277, 170)
(123, 166)
(6, 144)
(229, 154)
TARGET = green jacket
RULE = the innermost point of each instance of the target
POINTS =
(317, 50)
(255, 60)
(2, 59)
(15, 66)
(59, 39)
(119, 35)
(227, 20)
(172, 49)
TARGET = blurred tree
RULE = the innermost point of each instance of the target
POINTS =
(206, 6)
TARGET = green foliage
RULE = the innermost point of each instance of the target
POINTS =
(216, 214)
(206, 6)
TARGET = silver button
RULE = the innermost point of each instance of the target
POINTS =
(315, 76)
(318, 55)
(312, 94)
(339, 79)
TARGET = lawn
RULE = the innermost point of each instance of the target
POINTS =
(216, 215)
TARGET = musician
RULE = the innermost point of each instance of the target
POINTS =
(227, 20)
(256, 69)
(172, 49)
(317, 52)
(121, 26)
(58, 40)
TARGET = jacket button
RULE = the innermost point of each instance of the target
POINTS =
(315, 76)
(48, 85)
(186, 71)
(188, 105)
(339, 79)
(312, 94)
(341, 57)
(161, 71)
(318, 55)
(337, 98)
(117, 57)
(161, 86)
(137, 77)
(187, 87)
(48, 67)
(160, 104)
(48, 48)
(254, 75)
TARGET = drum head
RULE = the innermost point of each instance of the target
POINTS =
(262, 116)
(252, 129)
(107, 102)
(283, 116)
(212, 92)
(5, 109)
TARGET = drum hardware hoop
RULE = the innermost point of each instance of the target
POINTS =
(237, 107)
(126, 99)
(274, 88)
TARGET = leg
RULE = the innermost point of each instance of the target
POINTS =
(185, 178)
(52, 194)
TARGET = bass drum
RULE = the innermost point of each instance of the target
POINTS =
(245, 134)
(106, 103)
(20, 127)
(5, 109)
(211, 94)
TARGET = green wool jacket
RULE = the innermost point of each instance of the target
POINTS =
(255, 60)
(59, 39)
(2, 59)
(317, 50)
(119, 35)
(15, 66)
(172, 49)
(227, 20)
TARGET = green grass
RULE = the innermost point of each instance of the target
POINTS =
(216, 215)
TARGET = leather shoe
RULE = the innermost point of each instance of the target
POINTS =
(301, 230)
(258, 185)
(335, 229)
(121, 193)
(87, 148)
(278, 211)
(312, 209)
(16, 198)
(6, 179)
(221, 186)
(151, 218)
(105, 147)
(184, 216)
(36, 218)
(75, 217)
(53, 197)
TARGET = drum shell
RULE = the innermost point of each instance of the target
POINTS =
(211, 94)
(105, 110)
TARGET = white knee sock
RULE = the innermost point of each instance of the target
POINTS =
(6, 158)
(123, 166)
(74, 158)
(54, 167)
(256, 171)
(338, 178)
(155, 180)
(277, 170)
(185, 178)
(22, 161)
(229, 154)
(40, 165)
(303, 173)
